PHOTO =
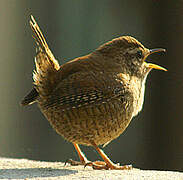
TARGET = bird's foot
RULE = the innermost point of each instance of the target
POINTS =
(75, 163)
(83, 159)
(99, 165)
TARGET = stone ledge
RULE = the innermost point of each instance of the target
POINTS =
(28, 169)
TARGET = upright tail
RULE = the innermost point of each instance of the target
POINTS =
(45, 74)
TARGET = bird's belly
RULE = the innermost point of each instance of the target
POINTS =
(99, 123)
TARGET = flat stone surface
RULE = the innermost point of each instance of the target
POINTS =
(28, 169)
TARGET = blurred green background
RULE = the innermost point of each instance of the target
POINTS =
(154, 139)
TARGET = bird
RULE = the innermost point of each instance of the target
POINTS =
(91, 100)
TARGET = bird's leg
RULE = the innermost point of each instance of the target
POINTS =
(83, 159)
(107, 164)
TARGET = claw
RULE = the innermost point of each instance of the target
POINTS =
(72, 162)
(125, 167)
(67, 162)
(88, 164)
(99, 165)
(95, 165)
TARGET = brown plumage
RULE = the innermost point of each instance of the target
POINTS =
(91, 99)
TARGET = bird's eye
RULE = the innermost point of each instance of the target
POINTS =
(139, 54)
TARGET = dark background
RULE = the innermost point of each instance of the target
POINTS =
(154, 139)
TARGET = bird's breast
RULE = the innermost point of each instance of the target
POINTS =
(138, 90)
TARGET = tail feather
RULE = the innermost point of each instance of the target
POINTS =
(45, 74)
(30, 98)
(39, 38)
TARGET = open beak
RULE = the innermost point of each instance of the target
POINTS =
(154, 66)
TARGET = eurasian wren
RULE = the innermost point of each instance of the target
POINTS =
(91, 99)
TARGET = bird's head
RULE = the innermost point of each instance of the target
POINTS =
(130, 55)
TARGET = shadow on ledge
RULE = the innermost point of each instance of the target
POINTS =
(34, 173)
